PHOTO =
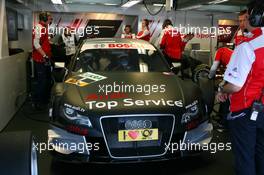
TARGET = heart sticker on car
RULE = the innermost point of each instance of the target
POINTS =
(133, 134)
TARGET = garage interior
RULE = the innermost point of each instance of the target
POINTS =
(16, 46)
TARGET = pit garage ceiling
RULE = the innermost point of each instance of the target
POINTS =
(201, 5)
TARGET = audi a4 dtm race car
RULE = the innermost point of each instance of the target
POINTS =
(120, 102)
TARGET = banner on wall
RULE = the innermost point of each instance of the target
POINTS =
(232, 25)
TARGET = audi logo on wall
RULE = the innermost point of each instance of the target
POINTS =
(138, 124)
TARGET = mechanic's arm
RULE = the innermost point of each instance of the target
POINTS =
(145, 33)
(213, 69)
(185, 40)
(238, 69)
(230, 88)
(217, 61)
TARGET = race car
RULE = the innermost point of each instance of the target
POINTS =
(121, 102)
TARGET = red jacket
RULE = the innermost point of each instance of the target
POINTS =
(255, 81)
(172, 44)
(223, 55)
(144, 35)
(41, 31)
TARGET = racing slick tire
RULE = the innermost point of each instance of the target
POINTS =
(201, 70)
(18, 154)
(200, 76)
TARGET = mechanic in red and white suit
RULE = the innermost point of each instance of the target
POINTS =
(171, 43)
(224, 54)
(144, 34)
(41, 56)
(222, 57)
(245, 83)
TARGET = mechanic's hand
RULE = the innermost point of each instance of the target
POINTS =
(221, 97)
(47, 61)
(210, 76)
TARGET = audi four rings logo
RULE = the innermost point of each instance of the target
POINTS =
(138, 124)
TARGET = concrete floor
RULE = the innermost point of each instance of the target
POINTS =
(205, 164)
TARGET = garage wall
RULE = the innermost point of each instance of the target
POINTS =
(12, 71)
(13, 86)
(25, 35)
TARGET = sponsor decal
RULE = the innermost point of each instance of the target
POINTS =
(233, 73)
(92, 76)
(85, 79)
(111, 96)
(129, 102)
(138, 135)
(192, 104)
(77, 129)
(138, 124)
(131, 45)
(77, 108)
(76, 82)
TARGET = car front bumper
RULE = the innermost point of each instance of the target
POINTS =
(78, 151)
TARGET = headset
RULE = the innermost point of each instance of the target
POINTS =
(43, 16)
(256, 15)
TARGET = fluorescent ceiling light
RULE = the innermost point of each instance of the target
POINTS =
(56, 1)
(131, 3)
(217, 1)
(191, 7)
(159, 5)
(109, 4)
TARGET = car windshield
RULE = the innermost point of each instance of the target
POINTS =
(137, 59)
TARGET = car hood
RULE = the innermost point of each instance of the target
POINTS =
(151, 93)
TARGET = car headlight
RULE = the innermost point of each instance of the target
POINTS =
(77, 118)
(190, 114)
(70, 113)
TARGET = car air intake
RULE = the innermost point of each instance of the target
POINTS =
(137, 136)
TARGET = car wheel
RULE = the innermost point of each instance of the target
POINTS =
(18, 154)
(201, 70)
(200, 76)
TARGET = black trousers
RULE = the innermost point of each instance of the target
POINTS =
(43, 83)
(247, 139)
(224, 111)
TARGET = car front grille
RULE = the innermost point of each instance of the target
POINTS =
(110, 126)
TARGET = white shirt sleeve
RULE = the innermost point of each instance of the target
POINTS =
(240, 65)
(36, 40)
